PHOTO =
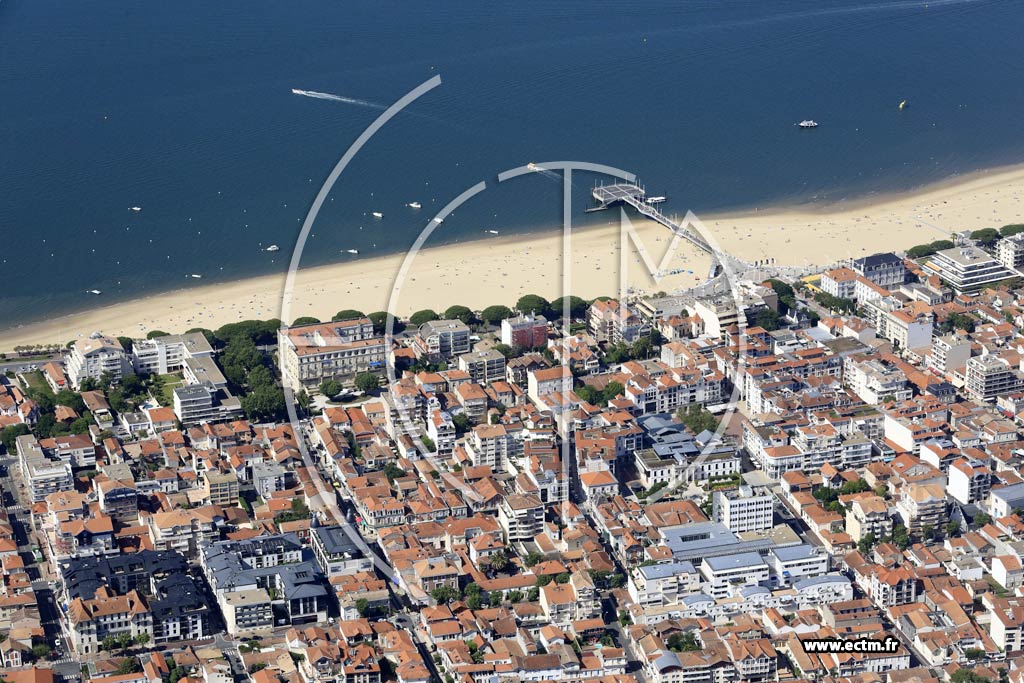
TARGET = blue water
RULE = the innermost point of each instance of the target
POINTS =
(185, 109)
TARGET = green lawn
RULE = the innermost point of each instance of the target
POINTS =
(164, 386)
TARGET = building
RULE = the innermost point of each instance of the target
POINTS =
(988, 377)
(521, 516)
(440, 340)
(310, 354)
(1010, 251)
(205, 402)
(868, 515)
(839, 282)
(967, 268)
(162, 355)
(611, 321)
(923, 505)
(949, 354)
(43, 474)
(744, 508)
(483, 367)
(335, 553)
(728, 574)
(969, 481)
(97, 356)
(526, 331)
(885, 270)
(221, 488)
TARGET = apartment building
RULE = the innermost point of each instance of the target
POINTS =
(868, 515)
(441, 340)
(969, 481)
(42, 474)
(923, 505)
(988, 377)
(310, 354)
(664, 583)
(521, 516)
(483, 367)
(611, 321)
(839, 282)
(1010, 251)
(949, 354)
(526, 331)
(885, 270)
(97, 356)
(967, 268)
(744, 509)
(162, 355)
(726, 575)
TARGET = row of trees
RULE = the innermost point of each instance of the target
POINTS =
(922, 250)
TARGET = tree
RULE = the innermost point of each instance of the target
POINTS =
(577, 306)
(981, 519)
(697, 418)
(127, 343)
(768, 319)
(564, 577)
(305, 320)
(424, 316)
(532, 558)
(264, 404)
(923, 250)
(866, 542)
(462, 313)
(380, 322)
(505, 350)
(683, 642)
(461, 423)
(363, 607)
(642, 348)
(986, 237)
(393, 471)
(128, 665)
(532, 303)
(499, 561)
(900, 536)
(10, 435)
(1011, 229)
(40, 651)
(153, 334)
(347, 314)
(367, 382)
(787, 297)
(515, 596)
(966, 675)
(442, 595)
(492, 315)
(952, 528)
(330, 388)
(928, 532)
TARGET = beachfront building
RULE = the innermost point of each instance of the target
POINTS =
(988, 377)
(526, 331)
(885, 270)
(839, 282)
(338, 350)
(1010, 251)
(967, 268)
(440, 340)
(96, 356)
(162, 355)
(611, 321)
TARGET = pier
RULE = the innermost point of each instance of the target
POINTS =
(636, 197)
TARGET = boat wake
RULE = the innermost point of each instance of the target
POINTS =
(337, 98)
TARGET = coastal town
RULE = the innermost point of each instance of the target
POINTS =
(807, 479)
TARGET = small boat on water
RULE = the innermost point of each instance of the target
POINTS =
(438, 220)
(414, 205)
(655, 200)
(352, 251)
(903, 105)
(377, 214)
(272, 247)
(135, 208)
(196, 276)
(808, 123)
(93, 291)
(532, 166)
(493, 232)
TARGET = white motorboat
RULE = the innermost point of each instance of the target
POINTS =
(808, 123)
(352, 251)
(272, 247)
(414, 205)
(377, 214)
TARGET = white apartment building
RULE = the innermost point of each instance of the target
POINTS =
(988, 377)
(885, 270)
(95, 356)
(969, 481)
(310, 354)
(949, 353)
(872, 380)
(663, 584)
(483, 367)
(726, 575)
(43, 475)
(522, 517)
(1010, 251)
(162, 355)
(744, 509)
(442, 339)
(903, 326)
(967, 268)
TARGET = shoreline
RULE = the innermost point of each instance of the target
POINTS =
(499, 269)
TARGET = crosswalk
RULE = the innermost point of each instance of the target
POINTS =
(66, 659)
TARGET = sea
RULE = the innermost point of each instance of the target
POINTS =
(185, 109)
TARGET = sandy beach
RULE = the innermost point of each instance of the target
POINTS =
(501, 269)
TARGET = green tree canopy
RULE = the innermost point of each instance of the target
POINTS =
(380, 322)
(577, 307)
(153, 334)
(986, 236)
(330, 388)
(493, 315)
(424, 316)
(305, 320)
(1011, 229)
(532, 303)
(348, 314)
(367, 382)
(462, 313)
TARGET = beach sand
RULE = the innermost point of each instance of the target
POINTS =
(500, 269)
